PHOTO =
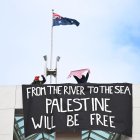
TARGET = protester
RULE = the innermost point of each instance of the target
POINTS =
(79, 75)
(37, 81)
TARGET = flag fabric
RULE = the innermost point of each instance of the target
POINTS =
(59, 20)
(78, 73)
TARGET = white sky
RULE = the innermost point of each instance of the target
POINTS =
(107, 40)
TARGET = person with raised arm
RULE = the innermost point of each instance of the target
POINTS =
(79, 75)
(37, 81)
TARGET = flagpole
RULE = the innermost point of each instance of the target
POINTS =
(51, 56)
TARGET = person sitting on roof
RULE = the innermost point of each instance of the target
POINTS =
(39, 82)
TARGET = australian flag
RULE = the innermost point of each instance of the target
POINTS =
(59, 20)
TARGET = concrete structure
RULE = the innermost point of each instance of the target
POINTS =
(11, 99)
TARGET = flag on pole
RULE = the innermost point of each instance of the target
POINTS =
(59, 20)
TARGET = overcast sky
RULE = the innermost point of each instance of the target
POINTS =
(107, 40)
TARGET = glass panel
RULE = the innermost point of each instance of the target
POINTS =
(102, 133)
(19, 130)
(97, 135)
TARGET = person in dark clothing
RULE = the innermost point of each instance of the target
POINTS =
(83, 79)
(39, 82)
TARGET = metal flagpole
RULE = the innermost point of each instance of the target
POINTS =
(58, 135)
(51, 56)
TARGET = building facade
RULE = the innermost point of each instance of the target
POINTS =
(11, 119)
